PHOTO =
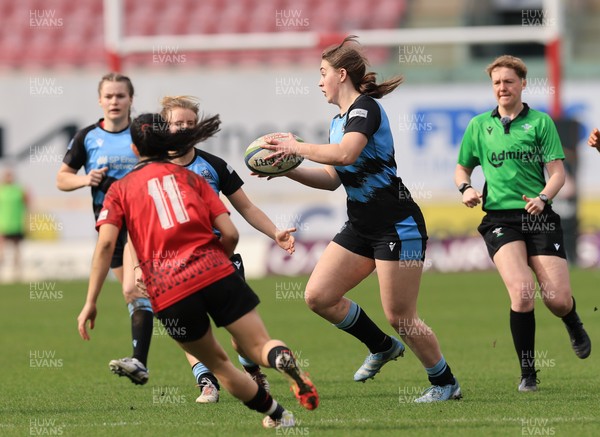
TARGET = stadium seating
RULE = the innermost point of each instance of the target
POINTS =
(69, 34)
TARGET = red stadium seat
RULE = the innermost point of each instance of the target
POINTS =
(79, 41)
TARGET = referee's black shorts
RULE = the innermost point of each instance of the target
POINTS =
(225, 301)
(541, 233)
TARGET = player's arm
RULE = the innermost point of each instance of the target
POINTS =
(67, 178)
(344, 153)
(462, 178)
(556, 179)
(322, 178)
(137, 271)
(260, 221)
(105, 246)
(229, 233)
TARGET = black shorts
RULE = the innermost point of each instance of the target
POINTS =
(541, 233)
(15, 238)
(225, 301)
(408, 245)
(238, 263)
(117, 258)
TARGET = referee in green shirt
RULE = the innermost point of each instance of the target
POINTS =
(514, 144)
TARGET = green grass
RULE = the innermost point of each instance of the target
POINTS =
(74, 394)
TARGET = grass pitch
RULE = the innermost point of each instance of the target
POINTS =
(53, 383)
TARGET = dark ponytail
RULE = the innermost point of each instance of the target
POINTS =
(150, 134)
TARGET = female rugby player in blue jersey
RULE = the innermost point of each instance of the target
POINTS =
(385, 231)
(104, 149)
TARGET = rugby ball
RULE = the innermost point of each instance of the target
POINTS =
(255, 157)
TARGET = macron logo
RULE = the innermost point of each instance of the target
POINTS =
(556, 246)
(392, 245)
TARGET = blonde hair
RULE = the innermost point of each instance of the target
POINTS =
(511, 62)
(169, 103)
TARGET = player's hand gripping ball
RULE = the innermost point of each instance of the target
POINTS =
(255, 157)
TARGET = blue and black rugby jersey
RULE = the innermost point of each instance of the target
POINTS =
(220, 175)
(379, 204)
(95, 148)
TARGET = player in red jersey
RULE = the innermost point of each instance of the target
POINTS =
(170, 214)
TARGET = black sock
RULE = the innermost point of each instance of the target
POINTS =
(522, 327)
(359, 325)
(275, 352)
(212, 378)
(264, 403)
(251, 369)
(571, 319)
(444, 378)
(141, 332)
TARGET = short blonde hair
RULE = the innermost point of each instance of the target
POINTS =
(186, 102)
(508, 61)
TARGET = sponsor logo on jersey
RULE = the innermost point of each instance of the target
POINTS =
(527, 126)
(489, 130)
(391, 246)
(103, 214)
(556, 246)
(496, 159)
(358, 112)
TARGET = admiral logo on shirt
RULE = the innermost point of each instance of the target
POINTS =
(358, 112)
(498, 158)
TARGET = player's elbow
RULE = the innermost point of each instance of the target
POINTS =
(230, 240)
(105, 246)
(59, 183)
(347, 159)
(333, 185)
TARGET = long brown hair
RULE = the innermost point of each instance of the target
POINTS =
(348, 56)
